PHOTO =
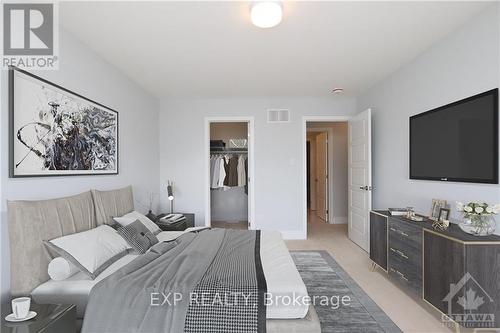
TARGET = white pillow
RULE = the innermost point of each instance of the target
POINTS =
(61, 269)
(91, 251)
(134, 216)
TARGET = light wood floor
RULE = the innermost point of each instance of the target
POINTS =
(410, 314)
(243, 225)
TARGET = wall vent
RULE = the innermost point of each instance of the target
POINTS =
(278, 116)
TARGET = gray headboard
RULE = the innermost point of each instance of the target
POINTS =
(32, 222)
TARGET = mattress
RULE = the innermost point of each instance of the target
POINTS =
(284, 283)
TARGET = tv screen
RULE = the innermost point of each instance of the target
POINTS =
(457, 142)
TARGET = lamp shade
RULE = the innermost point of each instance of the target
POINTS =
(170, 192)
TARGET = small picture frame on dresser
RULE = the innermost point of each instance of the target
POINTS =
(444, 214)
(436, 206)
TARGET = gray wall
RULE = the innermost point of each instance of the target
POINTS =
(279, 192)
(84, 72)
(463, 64)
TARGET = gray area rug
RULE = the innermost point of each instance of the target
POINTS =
(323, 276)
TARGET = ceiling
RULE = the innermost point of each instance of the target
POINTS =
(210, 49)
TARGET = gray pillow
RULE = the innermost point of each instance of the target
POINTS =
(138, 236)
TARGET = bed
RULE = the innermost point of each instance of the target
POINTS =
(32, 222)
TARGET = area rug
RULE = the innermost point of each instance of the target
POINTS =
(325, 279)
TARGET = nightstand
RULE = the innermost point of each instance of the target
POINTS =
(53, 318)
(179, 226)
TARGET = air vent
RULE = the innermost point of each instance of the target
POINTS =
(278, 116)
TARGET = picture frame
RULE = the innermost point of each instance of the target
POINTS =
(436, 206)
(54, 131)
(444, 214)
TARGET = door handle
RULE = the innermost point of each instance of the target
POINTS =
(366, 188)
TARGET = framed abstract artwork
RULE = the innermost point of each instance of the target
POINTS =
(56, 132)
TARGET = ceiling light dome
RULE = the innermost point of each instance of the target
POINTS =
(266, 14)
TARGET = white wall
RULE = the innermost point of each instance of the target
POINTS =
(463, 64)
(84, 72)
(279, 193)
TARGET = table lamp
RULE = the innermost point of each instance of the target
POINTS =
(170, 193)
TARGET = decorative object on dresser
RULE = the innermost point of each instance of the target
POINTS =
(444, 214)
(53, 318)
(398, 211)
(440, 225)
(56, 132)
(436, 206)
(179, 225)
(441, 266)
(478, 218)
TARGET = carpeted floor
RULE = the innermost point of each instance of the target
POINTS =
(324, 277)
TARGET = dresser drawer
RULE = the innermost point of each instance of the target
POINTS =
(406, 232)
(406, 274)
(408, 251)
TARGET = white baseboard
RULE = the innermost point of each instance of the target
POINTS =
(294, 234)
(339, 220)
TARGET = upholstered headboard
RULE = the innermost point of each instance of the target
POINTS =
(109, 204)
(32, 222)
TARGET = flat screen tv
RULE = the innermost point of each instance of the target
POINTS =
(457, 142)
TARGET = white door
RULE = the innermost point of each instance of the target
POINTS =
(360, 179)
(322, 176)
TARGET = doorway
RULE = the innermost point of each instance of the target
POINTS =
(327, 172)
(229, 169)
(357, 189)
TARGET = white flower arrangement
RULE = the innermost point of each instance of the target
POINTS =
(477, 209)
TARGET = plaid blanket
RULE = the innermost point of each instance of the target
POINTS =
(230, 296)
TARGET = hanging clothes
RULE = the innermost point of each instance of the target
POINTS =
(217, 171)
(214, 172)
(242, 175)
(222, 172)
(228, 171)
(233, 171)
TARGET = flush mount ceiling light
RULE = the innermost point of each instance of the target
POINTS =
(266, 14)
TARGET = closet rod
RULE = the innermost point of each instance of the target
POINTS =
(228, 152)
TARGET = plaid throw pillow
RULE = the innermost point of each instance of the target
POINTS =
(138, 236)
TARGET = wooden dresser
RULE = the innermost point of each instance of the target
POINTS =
(448, 269)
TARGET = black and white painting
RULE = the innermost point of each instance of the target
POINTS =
(56, 132)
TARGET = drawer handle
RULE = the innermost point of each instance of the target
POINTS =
(401, 253)
(399, 231)
(400, 274)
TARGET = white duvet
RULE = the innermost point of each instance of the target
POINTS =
(284, 283)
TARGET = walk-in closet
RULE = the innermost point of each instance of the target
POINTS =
(229, 174)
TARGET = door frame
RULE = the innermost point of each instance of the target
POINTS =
(305, 120)
(251, 192)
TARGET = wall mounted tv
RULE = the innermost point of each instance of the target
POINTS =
(457, 142)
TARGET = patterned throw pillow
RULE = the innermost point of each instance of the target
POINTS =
(138, 236)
